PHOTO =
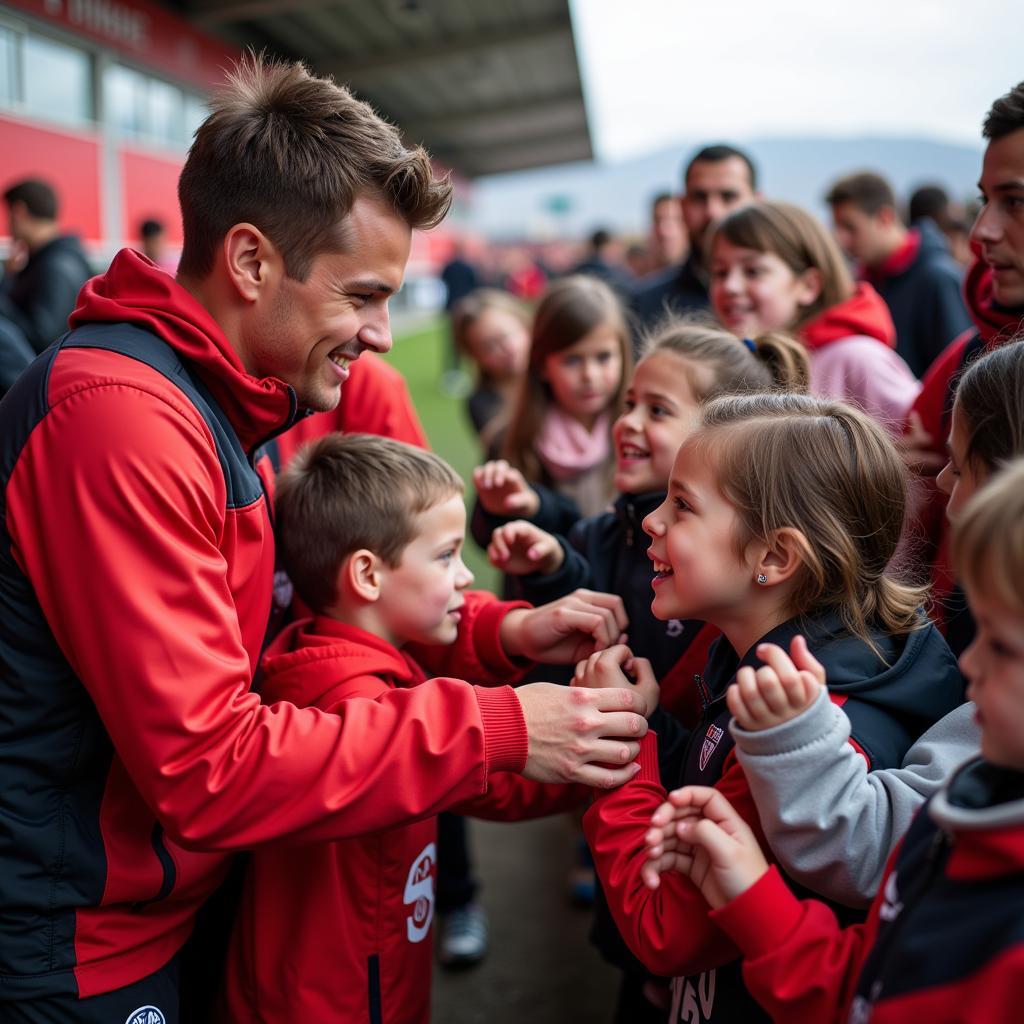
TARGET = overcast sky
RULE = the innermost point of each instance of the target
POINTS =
(655, 71)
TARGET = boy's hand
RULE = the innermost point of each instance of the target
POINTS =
(564, 631)
(917, 448)
(503, 490)
(608, 669)
(715, 847)
(520, 547)
(782, 688)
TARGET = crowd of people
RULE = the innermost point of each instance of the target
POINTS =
(760, 518)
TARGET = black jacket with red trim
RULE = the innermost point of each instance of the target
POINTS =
(944, 940)
(890, 695)
(136, 565)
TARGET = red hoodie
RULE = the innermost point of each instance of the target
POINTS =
(852, 353)
(142, 595)
(993, 326)
(340, 931)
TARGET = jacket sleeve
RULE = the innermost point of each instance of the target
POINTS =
(668, 929)
(510, 797)
(477, 654)
(573, 573)
(120, 532)
(557, 514)
(831, 822)
(798, 963)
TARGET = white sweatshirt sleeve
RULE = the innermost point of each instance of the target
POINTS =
(831, 823)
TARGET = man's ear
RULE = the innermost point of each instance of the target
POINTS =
(253, 264)
(781, 557)
(360, 576)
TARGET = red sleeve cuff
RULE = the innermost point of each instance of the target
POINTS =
(648, 759)
(487, 640)
(506, 741)
(762, 918)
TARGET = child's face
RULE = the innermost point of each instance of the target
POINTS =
(585, 376)
(698, 572)
(994, 667)
(756, 292)
(959, 478)
(499, 343)
(420, 598)
(661, 409)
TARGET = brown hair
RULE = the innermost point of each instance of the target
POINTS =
(988, 541)
(799, 240)
(990, 398)
(726, 364)
(571, 308)
(829, 471)
(470, 309)
(344, 492)
(1006, 115)
(867, 191)
(290, 153)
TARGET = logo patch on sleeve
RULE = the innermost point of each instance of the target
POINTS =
(711, 741)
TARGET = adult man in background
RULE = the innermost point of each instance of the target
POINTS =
(42, 276)
(910, 267)
(718, 179)
(136, 567)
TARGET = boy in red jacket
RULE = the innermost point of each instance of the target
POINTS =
(371, 535)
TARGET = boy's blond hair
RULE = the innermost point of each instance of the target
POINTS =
(988, 541)
(345, 492)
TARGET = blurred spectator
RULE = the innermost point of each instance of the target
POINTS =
(523, 277)
(668, 244)
(459, 277)
(930, 202)
(42, 277)
(638, 260)
(602, 261)
(910, 267)
(153, 235)
(718, 179)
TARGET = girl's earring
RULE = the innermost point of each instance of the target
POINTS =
(761, 578)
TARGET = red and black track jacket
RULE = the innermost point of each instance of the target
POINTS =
(136, 562)
(890, 697)
(340, 931)
(943, 942)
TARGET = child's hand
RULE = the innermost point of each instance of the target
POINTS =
(713, 845)
(520, 547)
(609, 669)
(782, 688)
(503, 490)
(563, 631)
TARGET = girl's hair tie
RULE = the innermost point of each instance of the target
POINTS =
(752, 345)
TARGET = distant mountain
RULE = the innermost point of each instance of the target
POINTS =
(572, 199)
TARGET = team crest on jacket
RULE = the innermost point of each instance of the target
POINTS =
(419, 891)
(146, 1015)
(711, 741)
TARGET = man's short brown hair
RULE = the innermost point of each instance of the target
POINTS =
(867, 191)
(345, 492)
(290, 153)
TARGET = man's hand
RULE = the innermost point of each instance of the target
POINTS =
(587, 736)
(712, 845)
(917, 448)
(520, 547)
(564, 631)
(503, 490)
(612, 669)
(779, 690)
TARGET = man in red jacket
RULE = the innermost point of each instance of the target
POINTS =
(994, 290)
(136, 565)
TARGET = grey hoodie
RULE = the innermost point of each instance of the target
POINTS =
(832, 823)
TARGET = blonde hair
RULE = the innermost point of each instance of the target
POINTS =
(344, 492)
(729, 365)
(799, 240)
(570, 309)
(988, 541)
(830, 472)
